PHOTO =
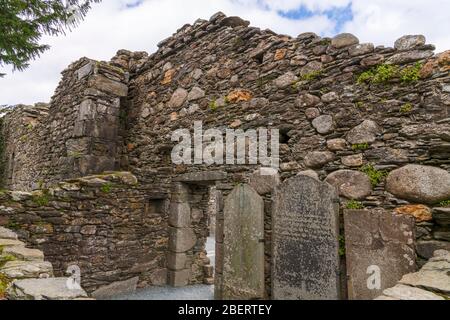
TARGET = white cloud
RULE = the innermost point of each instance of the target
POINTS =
(110, 26)
(384, 21)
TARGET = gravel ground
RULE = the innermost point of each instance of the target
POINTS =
(197, 292)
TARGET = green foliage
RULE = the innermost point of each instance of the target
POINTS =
(407, 107)
(359, 104)
(311, 76)
(41, 199)
(213, 106)
(13, 225)
(341, 246)
(375, 176)
(106, 188)
(380, 74)
(360, 146)
(75, 154)
(445, 203)
(23, 23)
(4, 283)
(353, 204)
(384, 73)
(4, 258)
(410, 74)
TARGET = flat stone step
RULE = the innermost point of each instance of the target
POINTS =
(7, 234)
(22, 253)
(44, 289)
(11, 243)
(27, 269)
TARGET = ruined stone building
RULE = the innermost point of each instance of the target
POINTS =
(364, 175)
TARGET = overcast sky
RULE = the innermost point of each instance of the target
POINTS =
(138, 25)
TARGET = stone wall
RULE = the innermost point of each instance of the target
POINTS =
(109, 226)
(75, 135)
(349, 113)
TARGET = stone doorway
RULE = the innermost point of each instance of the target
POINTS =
(193, 243)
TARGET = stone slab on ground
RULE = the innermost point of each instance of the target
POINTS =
(116, 288)
(43, 289)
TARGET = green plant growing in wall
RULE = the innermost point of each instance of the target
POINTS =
(4, 283)
(311, 76)
(411, 74)
(359, 104)
(75, 154)
(380, 74)
(42, 199)
(341, 246)
(13, 225)
(375, 176)
(354, 205)
(360, 146)
(445, 203)
(106, 188)
(407, 107)
(213, 105)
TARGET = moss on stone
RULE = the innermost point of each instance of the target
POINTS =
(106, 188)
(341, 246)
(311, 76)
(213, 106)
(41, 198)
(360, 146)
(4, 284)
(445, 203)
(354, 205)
(407, 107)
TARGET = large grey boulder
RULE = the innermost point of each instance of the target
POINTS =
(409, 42)
(366, 132)
(323, 124)
(178, 98)
(350, 184)
(344, 40)
(423, 184)
(317, 159)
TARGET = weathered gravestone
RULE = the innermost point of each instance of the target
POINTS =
(243, 249)
(379, 251)
(305, 240)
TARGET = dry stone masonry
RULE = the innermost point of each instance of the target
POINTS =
(24, 275)
(92, 182)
